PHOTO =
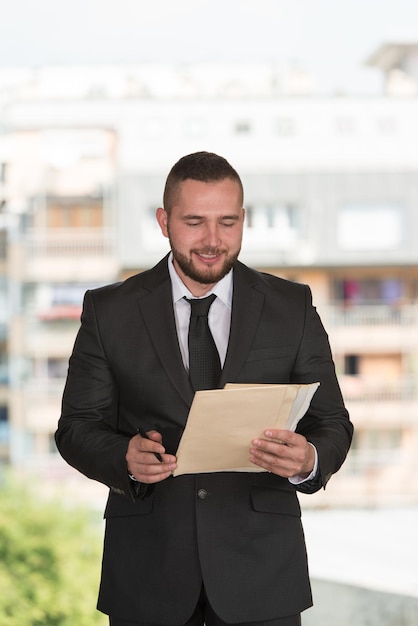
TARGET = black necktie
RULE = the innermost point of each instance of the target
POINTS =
(204, 363)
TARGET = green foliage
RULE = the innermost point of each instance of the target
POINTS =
(49, 562)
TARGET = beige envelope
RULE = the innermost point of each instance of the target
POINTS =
(222, 423)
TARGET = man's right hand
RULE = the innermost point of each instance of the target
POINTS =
(142, 461)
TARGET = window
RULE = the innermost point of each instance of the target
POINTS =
(368, 291)
(4, 365)
(65, 148)
(272, 225)
(249, 216)
(57, 368)
(4, 300)
(3, 170)
(4, 426)
(242, 127)
(271, 216)
(194, 127)
(374, 449)
(381, 439)
(345, 125)
(386, 125)
(52, 446)
(152, 128)
(351, 364)
(150, 222)
(368, 227)
(67, 212)
(285, 126)
(60, 301)
(3, 244)
(68, 294)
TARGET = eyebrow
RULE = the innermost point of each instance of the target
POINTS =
(235, 218)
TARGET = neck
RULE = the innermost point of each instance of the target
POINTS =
(196, 289)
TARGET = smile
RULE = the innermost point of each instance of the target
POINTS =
(208, 257)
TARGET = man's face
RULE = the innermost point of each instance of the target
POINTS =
(204, 228)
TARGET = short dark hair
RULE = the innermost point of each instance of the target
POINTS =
(203, 166)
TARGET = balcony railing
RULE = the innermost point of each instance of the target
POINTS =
(364, 389)
(372, 461)
(371, 315)
(45, 391)
(70, 243)
(53, 337)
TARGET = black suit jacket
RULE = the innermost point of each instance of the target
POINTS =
(244, 537)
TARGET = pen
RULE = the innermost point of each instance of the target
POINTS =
(143, 434)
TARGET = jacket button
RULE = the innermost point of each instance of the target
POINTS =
(202, 494)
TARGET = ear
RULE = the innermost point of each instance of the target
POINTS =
(162, 220)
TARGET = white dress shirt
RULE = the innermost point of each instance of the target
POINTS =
(219, 317)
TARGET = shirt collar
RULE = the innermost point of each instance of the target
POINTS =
(222, 289)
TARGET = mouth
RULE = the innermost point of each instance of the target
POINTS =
(208, 258)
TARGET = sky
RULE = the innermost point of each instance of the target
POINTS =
(331, 39)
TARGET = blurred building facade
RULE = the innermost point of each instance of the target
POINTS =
(331, 198)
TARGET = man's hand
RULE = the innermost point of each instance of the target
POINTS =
(142, 462)
(284, 453)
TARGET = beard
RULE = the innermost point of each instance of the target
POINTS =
(207, 276)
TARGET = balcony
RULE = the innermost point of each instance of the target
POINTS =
(379, 401)
(68, 255)
(372, 315)
(377, 328)
(54, 338)
(372, 389)
(42, 402)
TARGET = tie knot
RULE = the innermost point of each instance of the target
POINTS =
(201, 306)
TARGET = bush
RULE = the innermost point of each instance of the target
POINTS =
(49, 562)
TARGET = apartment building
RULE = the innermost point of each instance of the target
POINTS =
(331, 200)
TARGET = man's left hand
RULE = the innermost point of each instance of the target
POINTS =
(284, 453)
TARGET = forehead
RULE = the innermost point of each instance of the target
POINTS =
(221, 193)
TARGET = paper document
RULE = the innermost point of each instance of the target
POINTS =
(223, 422)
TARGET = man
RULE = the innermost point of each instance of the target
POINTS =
(223, 547)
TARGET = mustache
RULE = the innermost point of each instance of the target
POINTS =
(208, 250)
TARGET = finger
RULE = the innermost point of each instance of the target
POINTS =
(281, 466)
(152, 472)
(274, 456)
(274, 466)
(272, 447)
(267, 458)
(152, 478)
(144, 444)
(147, 462)
(279, 435)
(154, 435)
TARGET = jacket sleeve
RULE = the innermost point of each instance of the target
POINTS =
(87, 436)
(326, 424)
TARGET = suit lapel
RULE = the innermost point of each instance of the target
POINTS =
(156, 307)
(247, 305)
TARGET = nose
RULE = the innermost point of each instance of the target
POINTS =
(211, 236)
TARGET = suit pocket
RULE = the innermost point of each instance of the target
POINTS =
(278, 501)
(119, 506)
(266, 354)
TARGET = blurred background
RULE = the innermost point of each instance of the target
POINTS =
(315, 103)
